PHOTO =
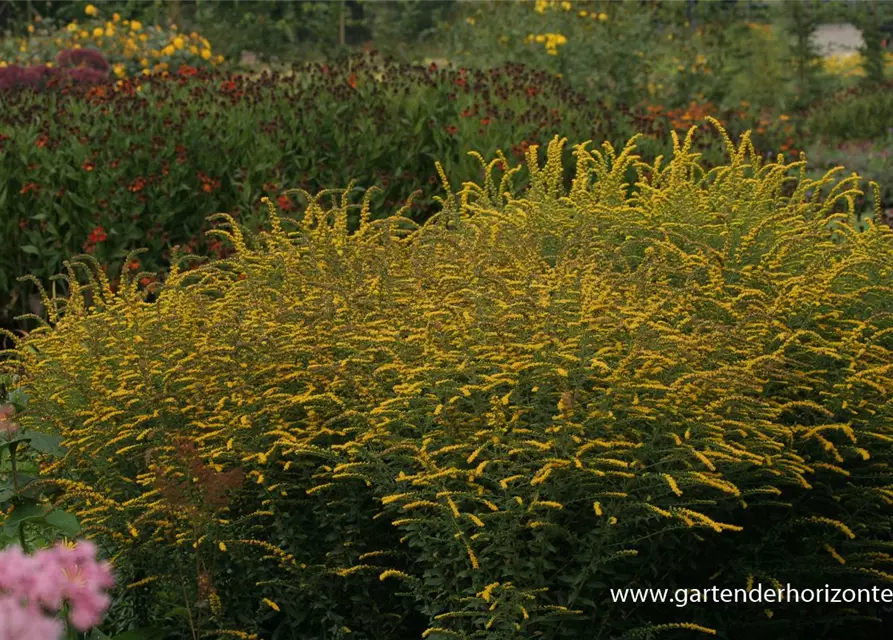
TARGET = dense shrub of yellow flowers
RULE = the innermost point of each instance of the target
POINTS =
(850, 65)
(475, 427)
(130, 47)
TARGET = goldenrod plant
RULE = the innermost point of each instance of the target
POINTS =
(478, 426)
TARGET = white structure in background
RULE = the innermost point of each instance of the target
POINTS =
(840, 38)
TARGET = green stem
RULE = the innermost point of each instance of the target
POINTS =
(12, 463)
(22, 537)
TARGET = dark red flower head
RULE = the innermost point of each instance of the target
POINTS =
(82, 58)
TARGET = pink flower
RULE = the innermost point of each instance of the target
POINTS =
(7, 411)
(19, 622)
(83, 582)
(34, 587)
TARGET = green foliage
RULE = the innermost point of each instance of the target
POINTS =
(802, 19)
(27, 515)
(476, 427)
(88, 179)
(868, 17)
(865, 114)
(872, 159)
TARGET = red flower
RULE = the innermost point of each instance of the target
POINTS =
(485, 121)
(208, 184)
(352, 80)
(96, 236)
(42, 140)
(452, 129)
(284, 203)
(532, 91)
(29, 187)
(87, 166)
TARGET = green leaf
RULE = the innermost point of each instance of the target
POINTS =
(18, 398)
(45, 443)
(64, 522)
(23, 513)
(30, 248)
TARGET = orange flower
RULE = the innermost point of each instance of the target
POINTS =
(352, 80)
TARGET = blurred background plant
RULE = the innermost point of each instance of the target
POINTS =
(266, 31)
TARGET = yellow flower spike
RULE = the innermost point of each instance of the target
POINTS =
(271, 604)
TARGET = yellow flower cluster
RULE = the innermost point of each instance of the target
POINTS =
(668, 351)
(551, 40)
(128, 45)
(541, 6)
(852, 65)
